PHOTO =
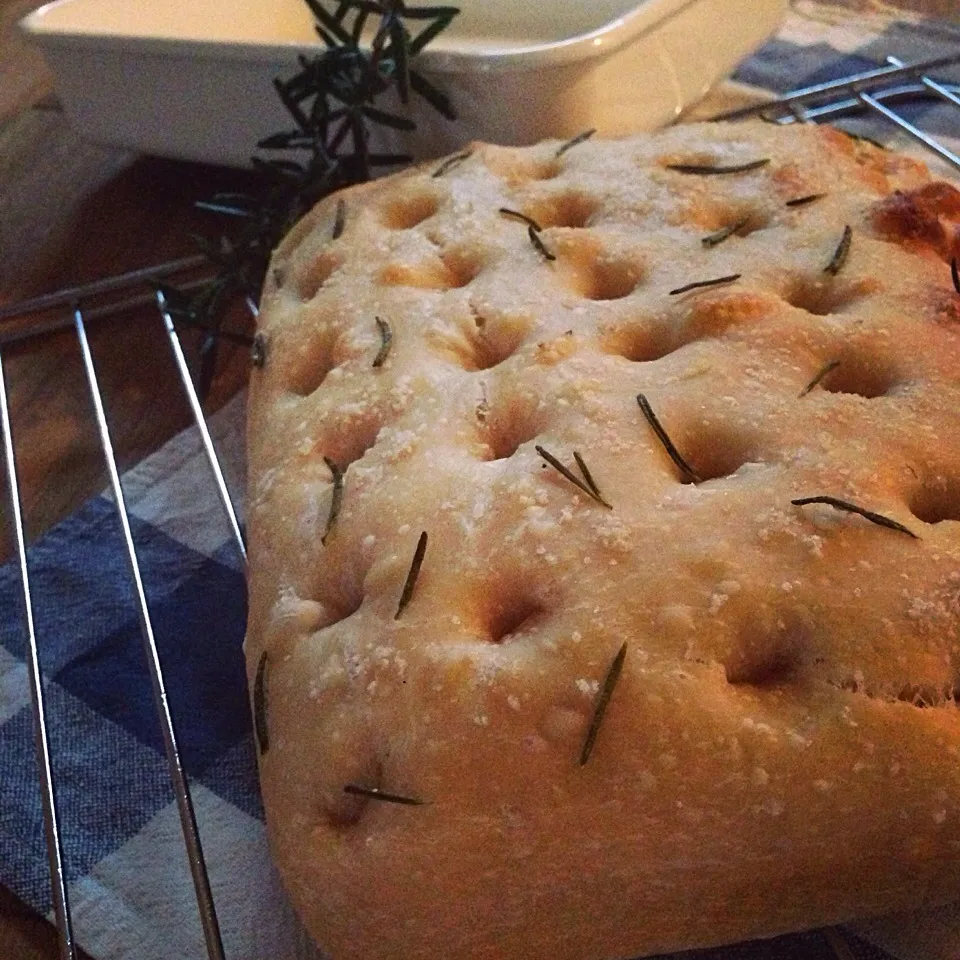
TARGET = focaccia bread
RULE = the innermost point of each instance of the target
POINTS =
(546, 659)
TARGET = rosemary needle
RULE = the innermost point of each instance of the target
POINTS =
(697, 284)
(955, 274)
(664, 438)
(877, 518)
(375, 793)
(585, 470)
(386, 341)
(539, 244)
(706, 169)
(588, 488)
(451, 162)
(517, 215)
(714, 239)
(821, 373)
(340, 219)
(336, 498)
(840, 255)
(411, 581)
(803, 201)
(603, 701)
(260, 704)
(258, 350)
(575, 141)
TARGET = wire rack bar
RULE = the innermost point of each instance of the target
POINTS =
(51, 824)
(914, 131)
(71, 295)
(802, 106)
(940, 89)
(45, 325)
(188, 821)
(201, 422)
(854, 84)
(851, 104)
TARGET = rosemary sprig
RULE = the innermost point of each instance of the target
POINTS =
(603, 701)
(708, 169)
(386, 341)
(339, 220)
(697, 284)
(411, 581)
(840, 255)
(539, 245)
(522, 217)
(375, 793)
(587, 485)
(664, 439)
(848, 507)
(821, 373)
(803, 201)
(260, 705)
(451, 162)
(336, 497)
(955, 274)
(333, 103)
(713, 239)
(573, 142)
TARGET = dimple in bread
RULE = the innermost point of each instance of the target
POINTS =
(634, 697)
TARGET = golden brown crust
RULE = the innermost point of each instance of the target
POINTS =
(781, 748)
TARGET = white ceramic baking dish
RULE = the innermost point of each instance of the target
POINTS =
(193, 78)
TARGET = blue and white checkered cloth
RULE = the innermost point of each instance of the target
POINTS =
(130, 887)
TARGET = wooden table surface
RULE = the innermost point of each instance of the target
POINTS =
(71, 212)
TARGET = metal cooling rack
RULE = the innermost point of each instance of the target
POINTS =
(79, 316)
(874, 91)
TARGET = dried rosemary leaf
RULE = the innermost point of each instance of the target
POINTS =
(803, 201)
(539, 244)
(260, 705)
(517, 215)
(863, 138)
(955, 274)
(877, 518)
(821, 373)
(709, 169)
(451, 162)
(258, 351)
(585, 470)
(664, 439)
(714, 239)
(589, 488)
(603, 701)
(578, 139)
(340, 220)
(375, 793)
(386, 341)
(697, 284)
(840, 255)
(411, 580)
(336, 498)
